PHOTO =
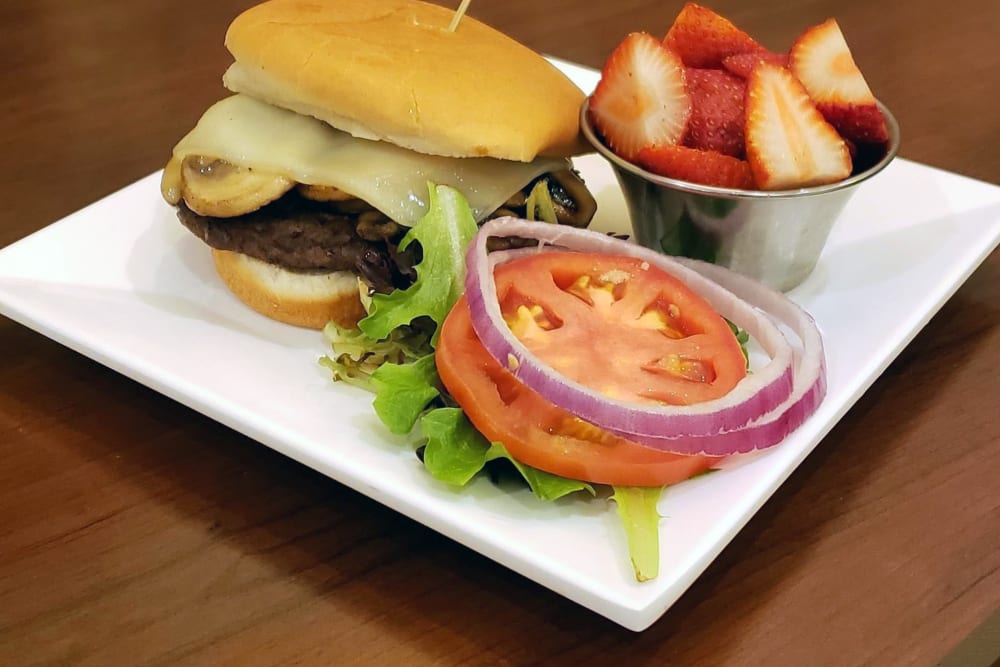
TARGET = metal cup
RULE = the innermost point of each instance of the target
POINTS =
(775, 237)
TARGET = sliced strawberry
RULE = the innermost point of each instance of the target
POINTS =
(789, 144)
(696, 166)
(717, 111)
(822, 61)
(741, 64)
(640, 99)
(702, 38)
(861, 123)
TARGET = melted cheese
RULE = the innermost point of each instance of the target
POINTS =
(247, 132)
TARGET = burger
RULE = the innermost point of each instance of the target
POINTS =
(305, 179)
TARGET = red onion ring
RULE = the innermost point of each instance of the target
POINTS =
(755, 397)
(809, 378)
(810, 366)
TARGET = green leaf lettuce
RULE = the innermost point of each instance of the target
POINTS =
(641, 520)
(456, 452)
(443, 233)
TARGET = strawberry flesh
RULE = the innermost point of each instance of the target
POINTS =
(717, 111)
(789, 143)
(641, 99)
(823, 62)
(696, 166)
(741, 64)
(703, 38)
(861, 123)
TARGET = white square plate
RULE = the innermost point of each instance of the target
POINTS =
(122, 282)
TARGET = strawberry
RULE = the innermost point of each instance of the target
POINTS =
(789, 143)
(696, 166)
(702, 38)
(861, 123)
(716, 121)
(640, 99)
(741, 64)
(822, 61)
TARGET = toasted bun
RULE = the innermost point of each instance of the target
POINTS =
(304, 299)
(391, 70)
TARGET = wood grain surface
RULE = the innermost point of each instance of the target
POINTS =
(135, 531)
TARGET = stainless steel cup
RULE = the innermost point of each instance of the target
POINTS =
(773, 236)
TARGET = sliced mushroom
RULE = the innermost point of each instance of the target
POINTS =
(574, 204)
(171, 186)
(518, 199)
(337, 199)
(323, 193)
(376, 226)
(219, 189)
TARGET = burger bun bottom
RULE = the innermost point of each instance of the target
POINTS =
(307, 300)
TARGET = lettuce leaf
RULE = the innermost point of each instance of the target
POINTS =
(402, 392)
(545, 486)
(443, 233)
(456, 452)
(743, 338)
(641, 519)
(356, 356)
(539, 205)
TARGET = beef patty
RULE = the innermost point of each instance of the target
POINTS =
(302, 235)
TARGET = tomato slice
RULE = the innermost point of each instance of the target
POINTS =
(620, 326)
(612, 323)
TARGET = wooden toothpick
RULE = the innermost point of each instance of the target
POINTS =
(459, 13)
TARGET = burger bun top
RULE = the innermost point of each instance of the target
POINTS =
(391, 70)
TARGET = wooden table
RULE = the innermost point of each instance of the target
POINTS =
(133, 530)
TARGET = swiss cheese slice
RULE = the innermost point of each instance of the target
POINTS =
(249, 133)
